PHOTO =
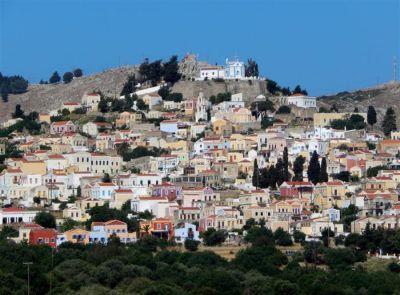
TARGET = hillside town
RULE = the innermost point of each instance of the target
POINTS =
(177, 167)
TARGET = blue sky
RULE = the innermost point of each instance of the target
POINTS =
(325, 46)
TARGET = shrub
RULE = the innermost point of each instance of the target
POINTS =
(191, 245)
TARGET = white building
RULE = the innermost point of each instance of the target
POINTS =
(212, 72)
(169, 126)
(201, 108)
(16, 215)
(233, 69)
(186, 231)
(302, 101)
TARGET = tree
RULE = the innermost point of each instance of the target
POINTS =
(298, 90)
(299, 237)
(55, 78)
(286, 163)
(298, 168)
(171, 70)
(389, 122)
(251, 69)
(213, 237)
(141, 105)
(324, 173)
(67, 77)
(77, 73)
(314, 168)
(256, 174)
(164, 91)
(174, 96)
(371, 116)
(103, 106)
(191, 245)
(68, 224)
(106, 178)
(45, 219)
(272, 86)
(19, 113)
(284, 110)
(282, 237)
(129, 86)
(334, 108)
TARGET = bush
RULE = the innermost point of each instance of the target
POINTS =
(191, 245)
(284, 110)
(394, 267)
(212, 237)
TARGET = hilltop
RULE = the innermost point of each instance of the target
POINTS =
(45, 97)
(381, 97)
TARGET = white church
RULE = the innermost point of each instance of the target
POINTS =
(233, 69)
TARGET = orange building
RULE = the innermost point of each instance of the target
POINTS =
(160, 227)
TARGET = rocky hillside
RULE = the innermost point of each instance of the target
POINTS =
(250, 89)
(51, 96)
(381, 97)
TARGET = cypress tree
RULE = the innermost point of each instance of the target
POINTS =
(313, 168)
(298, 168)
(371, 116)
(286, 164)
(324, 173)
(389, 121)
(256, 174)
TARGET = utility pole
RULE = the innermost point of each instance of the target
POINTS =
(28, 264)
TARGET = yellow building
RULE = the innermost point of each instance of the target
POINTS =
(222, 127)
(77, 235)
(33, 167)
(325, 119)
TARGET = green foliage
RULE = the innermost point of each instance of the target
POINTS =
(12, 85)
(77, 73)
(191, 245)
(213, 237)
(348, 215)
(141, 151)
(171, 70)
(267, 122)
(256, 174)
(174, 96)
(45, 219)
(371, 116)
(373, 171)
(284, 110)
(263, 106)
(164, 91)
(299, 237)
(68, 224)
(299, 90)
(314, 168)
(343, 176)
(324, 172)
(298, 166)
(221, 97)
(68, 77)
(251, 68)
(8, 232)
(355, 121)
(282, 237)
(394, 267)
(55, 78)
(129, 86)
(389, 121)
